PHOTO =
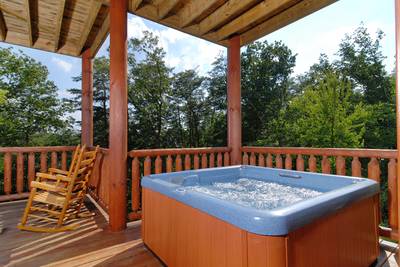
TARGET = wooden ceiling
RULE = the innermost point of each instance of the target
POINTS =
(71, 26)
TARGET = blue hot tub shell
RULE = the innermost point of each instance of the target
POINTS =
(338, 192)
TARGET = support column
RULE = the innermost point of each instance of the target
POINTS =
(87, 99)
(118, 135)
(234, 98)
(397, 26)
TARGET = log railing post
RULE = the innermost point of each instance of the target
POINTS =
(31, 168)
(169, 164)
(20, 173)
(212, 160)
(196, 163)
(269, 161)
(300, 163)
(278, 161)
(87, 99)
(261, 160)
(340, 165)
(147, 166)
(118, 129)
(178, 163)
(204, 161)
(245, 160)
(158, 165)
(7, 173)
(43, 162)
(219, 159)
(135, 197)
(288, 162)
(356, 167)
(392, 195)
(326, 165)
(187, 162)
(397, 36)
(234, 104)
(312, 163)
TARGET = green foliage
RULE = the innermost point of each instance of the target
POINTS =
(30, 106)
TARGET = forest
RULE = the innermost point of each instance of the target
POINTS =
(348, 101)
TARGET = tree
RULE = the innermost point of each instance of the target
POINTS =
(31, 108)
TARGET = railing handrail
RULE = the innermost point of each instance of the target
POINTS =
(36, 149)
(176, 151)
(345, 152)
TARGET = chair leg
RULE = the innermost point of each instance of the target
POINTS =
(28, 206)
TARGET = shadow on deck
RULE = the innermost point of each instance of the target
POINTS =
(90, 245)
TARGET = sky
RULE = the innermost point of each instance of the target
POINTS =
(317, 33)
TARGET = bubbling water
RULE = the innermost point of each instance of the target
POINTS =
(255, 193)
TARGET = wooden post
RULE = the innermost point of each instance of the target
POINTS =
(118, 135)
(234, 105)
(397, 26)
(87, 99)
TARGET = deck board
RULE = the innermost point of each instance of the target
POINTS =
(89, 245)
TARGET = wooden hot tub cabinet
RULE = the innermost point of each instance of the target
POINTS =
(184, 236)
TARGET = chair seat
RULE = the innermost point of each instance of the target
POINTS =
(49, 198)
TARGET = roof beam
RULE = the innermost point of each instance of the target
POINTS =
(195, 9)
(58, 24)
(3, 28)
(227, 11)
(101, 36)
(134, 4)
(165, 8)
(298, 11)
(93, 12)
(28, 22)
(261, 11)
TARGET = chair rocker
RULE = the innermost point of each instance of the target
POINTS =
(58, 196)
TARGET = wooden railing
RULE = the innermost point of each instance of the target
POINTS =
(149, 161)
(19, 165)
(376, 164)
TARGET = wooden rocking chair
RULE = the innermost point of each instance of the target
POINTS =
(58, 195)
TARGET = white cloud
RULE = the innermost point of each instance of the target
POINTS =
(66, 66)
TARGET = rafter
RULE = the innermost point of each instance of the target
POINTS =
(135, 4)
(227, 11)
(264, 9)
(195, 9)
(94, 11)
(28, 22)
(101, 36)
(298, 11)
(58, 24)
(3, 27)
(165, 8)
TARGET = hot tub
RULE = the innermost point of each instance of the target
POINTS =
(256, 216)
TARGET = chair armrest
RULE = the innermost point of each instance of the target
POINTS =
(47, 187)
(57, 171)
(56, 177)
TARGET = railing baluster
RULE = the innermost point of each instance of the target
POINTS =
(178, 163)
(326, 165)
(261, 160)
(356, 167)
(252, 159)
(340, 165)
(300, 162)
(212, 160)
(54, 159)
(278, 161)
(392, 195)
(158, 165)
(312, 163)
(20, 173)
(64, 160)
(219, 159)
(203, 160)
(269, 161)
(227, 160)
(288, 162)
(135, 196)
(374, 171)
(187, 162)
(43, 162)
(169, 164)
(147, 166)
(245, 159)
(7, 173)
(196, 161)
(31, 168)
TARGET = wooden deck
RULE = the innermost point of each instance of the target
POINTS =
(90, 245)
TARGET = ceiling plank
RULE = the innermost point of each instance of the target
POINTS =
(194, 9)
(3, 27)
(101, 36)
(58, 24)
(262, 10)
(223, 14)
(28, 22)
(298, 11)
(87, 27)
(135, 4)
(165, 8)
